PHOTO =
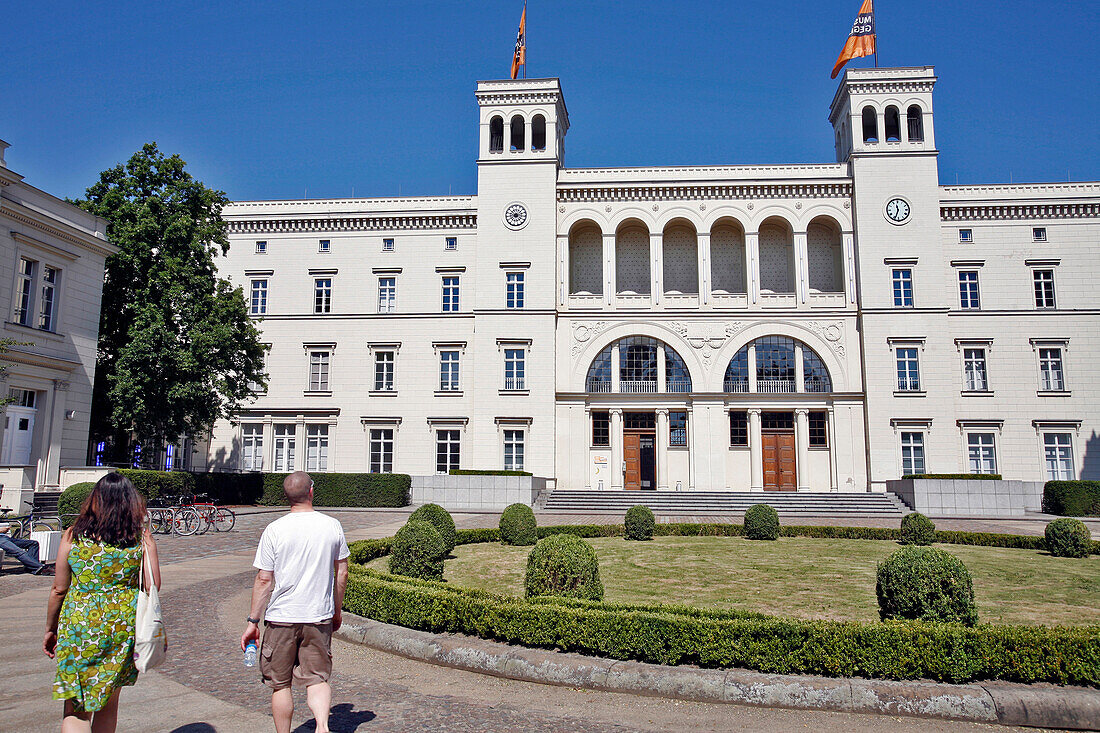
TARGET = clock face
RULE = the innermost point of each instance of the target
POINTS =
(897, 210)
(515, 215)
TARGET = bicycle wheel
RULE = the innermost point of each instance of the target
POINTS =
(160, 520)
(186, 521)
(206, 519)
(224, 519)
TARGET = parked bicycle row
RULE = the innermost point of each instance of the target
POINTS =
(190, 515)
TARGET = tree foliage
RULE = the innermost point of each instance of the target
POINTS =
(177, 349)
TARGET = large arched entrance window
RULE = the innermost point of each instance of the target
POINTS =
(772, 362)
(638, 364)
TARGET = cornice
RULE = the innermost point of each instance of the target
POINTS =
(1001, 211)
(886, 86)
(42, 223)
(379, 223)
(31, 358)
(746, 191)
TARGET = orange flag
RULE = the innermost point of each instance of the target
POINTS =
(519, 58)
(861, 41)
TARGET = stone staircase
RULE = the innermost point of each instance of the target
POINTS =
(787, 503)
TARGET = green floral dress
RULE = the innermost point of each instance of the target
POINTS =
(95, 636)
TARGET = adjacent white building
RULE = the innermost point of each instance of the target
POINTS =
(52, 255)
(795, 327)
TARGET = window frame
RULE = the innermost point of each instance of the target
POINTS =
(261, 246)
(257, 308)
(966, 236)
(600, 426)
(678, 428)
(740, 430)
(320, 369)
(322, 295)
(324, 246)
(1045, 385)
(252, 446)
(451, 454)
(1040, 286)
(1038, 234)
(450, 244)
(910, 384)
(387, 305)
(450, 370)
(377, 436)
(515, 360)
(1057, 472)
(388, 244)
(981, 447)
(817, 435)
(912, 446)
(512, 441)
(48, 319)
(515, 284)
(387, 380)
(978, 358)
(900, 277)
(286, 436)
(451, 292)
(317, 438)
(973, 300)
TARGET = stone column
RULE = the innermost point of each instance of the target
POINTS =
(849, 266)
(586, 453)
(802, 445)
(616, 372)
(656, 267)
(564, 265)
(703, 254)
(756, 451)
(299, 445)
(55, 427)
(802, 274)
(799, 374)
(662, 448)
(269, 444)
(751, 362)
(834, 483)
(662, 381)
(752, 266)
(609, 269)
(616, 467)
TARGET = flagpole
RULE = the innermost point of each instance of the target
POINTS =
(525, 39)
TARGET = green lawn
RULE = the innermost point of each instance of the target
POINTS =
(800, 577)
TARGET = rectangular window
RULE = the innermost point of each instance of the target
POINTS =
(448, 371)
(968, 290)
(317, 447)
(982, 451)
(258, 300)
(22, 397)
(387, 294)
(739, 428)
(677, 427)
(974, 370)
(252, 447)
(322, 295)
(1050, 370)
(381, 450)
(261, 248)
(318, 371)
(513, 450)
(1058, 452)
(47, 309)
(1039, 234)
(908, 370)
(601, 428)
(903, 288)
(284, 448)
(387, 245)
(966, 236)
(451, 244)
(1044, 288)
(446, 450)
(450, 294)
(912, 453)
(324, 245)
(819, 430)
(515, 290)
(24, 291)
(383, 371)
(515, 369)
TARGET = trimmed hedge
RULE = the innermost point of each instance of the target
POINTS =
(761, 523)
(639, 523)
(345, 489)
(563, 565)
(439, 518)
(1068, 537)
(917, 529)
(160, 485)
(671, 635)
(474, 472)
(417, 551)
(964, 476)
(518, 525)
(926, 584)
(1072, 498)
(71, 500)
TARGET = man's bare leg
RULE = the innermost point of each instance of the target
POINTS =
(319, 698)
(282, 709)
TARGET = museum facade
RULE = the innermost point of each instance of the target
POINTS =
(741, 328)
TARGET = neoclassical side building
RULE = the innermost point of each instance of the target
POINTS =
(795, 327)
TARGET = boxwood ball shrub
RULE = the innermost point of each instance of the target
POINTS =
(917, 529)
(640, 523)
(761, 523)
(1068, 537)
(417, 551)
(925, 583)
(518, 525)
(563, 565)
(72, 499)
(439, 518)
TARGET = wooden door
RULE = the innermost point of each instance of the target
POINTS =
(632, 457)
(780, 473)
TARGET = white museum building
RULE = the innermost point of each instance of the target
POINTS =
(818, 328)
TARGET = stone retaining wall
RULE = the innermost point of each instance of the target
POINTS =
(476, 493)
(969, 498)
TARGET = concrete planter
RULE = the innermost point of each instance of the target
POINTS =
(969, 498)
(476, 493)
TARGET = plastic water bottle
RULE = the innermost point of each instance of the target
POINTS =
(250, 654)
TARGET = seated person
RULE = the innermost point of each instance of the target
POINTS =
(25, 551)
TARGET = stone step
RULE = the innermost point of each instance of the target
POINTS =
(807, 503)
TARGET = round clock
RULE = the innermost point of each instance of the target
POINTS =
(897, 210)
(515, 215)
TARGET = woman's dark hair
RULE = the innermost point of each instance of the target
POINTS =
(113, 514)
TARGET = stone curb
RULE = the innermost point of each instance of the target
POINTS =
(1045, 706)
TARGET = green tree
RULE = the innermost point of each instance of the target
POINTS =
(177, 350)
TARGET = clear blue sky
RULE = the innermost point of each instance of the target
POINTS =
(273, 99)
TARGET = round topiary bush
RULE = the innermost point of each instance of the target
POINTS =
(72, 499)
(917, 529)
(518, 525)
(1067, 537)
(439, 518)
(761, 523)
(640, 523)
(563, 565)
(925, 583)
(418, 551)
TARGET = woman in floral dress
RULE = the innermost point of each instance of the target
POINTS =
(92, 606)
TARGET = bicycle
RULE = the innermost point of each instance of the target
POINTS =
(36, 521)
(161, 519)
(200, 516)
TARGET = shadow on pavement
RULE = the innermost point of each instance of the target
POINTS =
(195, 728)
(342, 719)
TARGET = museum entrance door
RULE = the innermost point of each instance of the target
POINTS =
(778, 451)
(639, 451)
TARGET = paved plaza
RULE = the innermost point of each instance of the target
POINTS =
(203, 687)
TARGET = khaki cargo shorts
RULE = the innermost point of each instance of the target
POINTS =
(299, 653)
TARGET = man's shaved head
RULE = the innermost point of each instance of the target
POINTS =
(296, 486)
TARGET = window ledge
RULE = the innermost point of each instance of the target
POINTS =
(678, 447)
(1054, 393)
(53, 335)
(977, 393)
(910, 393)
(317, 393)
(514, 391)
(739, 447)
(383, 393)
(448, 393)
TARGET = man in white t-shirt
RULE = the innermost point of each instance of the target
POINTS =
(303, 571)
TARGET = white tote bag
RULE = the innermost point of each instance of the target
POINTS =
(150, 640)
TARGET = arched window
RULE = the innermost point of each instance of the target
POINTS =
(496, 135)
(599, 374)
(737, 373)
(870, 125)
(677, 378)
(914, 119)
(893, 125)
(517, 132)
(814, 374)
(638, 367)
(538, 133)
(775, 367)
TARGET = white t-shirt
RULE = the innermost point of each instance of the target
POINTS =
(300, 549)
